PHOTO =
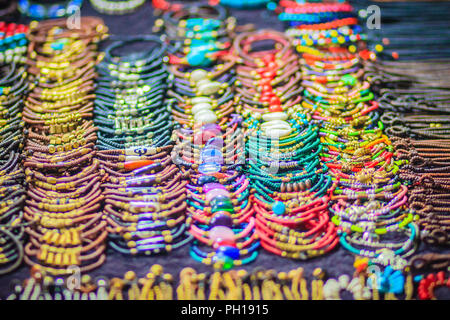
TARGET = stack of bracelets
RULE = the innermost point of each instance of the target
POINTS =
(48, 9)
(415, 95)
(13, 89)
(210, 140)
(288, 181)
(63, 194)
(368, 199)
(145, 197)
(258, 284)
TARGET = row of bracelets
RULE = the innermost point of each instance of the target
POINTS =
(13, 88)
(368, 200)
(145, 193)
(287, 179)
(62, 171)
(259, 284)
(416, 116)
(209, 138)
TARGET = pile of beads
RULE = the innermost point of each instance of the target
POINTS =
(211, 142)
(145, 198)
(13, 88)
(282, 146)
(63, 195)
(117, 7)
(36, 10)
(13, 42)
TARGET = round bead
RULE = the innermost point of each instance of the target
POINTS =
(278, 208)
(198, 74)
(221, 233)
(215, 193)
(221, 218)
(230, 252)
(205, 116)
(200, 107)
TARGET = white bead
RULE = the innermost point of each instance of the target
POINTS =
(278, 124)
(198, 74)
(275, 116)
(205, 116)
(209, 88)
(201, 106)
(140, 151)
(276, 128)
(198, 100)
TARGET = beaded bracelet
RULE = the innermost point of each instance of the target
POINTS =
(428, 284)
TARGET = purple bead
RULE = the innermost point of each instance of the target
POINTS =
(213, 185)
(221, 219)
(214, 193)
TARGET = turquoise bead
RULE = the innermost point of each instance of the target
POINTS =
(197, 58)
(278, 208)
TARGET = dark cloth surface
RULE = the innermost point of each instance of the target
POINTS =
(335, 263)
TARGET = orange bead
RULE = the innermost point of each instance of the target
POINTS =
(131, 165)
